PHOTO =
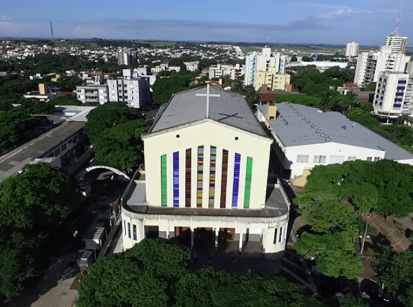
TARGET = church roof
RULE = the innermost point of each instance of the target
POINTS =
(191, 106)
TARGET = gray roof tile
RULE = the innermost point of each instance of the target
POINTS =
(296, 130)
(186, 107)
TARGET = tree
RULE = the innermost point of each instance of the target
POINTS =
(395, 270)
(107, 116)
(117, 280)
(371, 87)
(65, 101)
(143, 276)
(68, 83)
(16, 262)
(121, 145)
(5, 105)
(164, 88)
(162, 258)
(350, 301)
(294, 58)
(38, 196)
(334, 252)
(306, 59)
(35, 106)
(156, 272)
(212, 288)
(13, 127)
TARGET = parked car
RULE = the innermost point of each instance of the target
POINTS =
(372, 289)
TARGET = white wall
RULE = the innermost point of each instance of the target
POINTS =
(328, 149)
(207, 133)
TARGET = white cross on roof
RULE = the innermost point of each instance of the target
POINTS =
(207, 96)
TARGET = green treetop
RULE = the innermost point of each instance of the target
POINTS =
(107, 116)
(121, 145)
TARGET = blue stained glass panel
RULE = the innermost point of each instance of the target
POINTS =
(235, 186)
(176, 179)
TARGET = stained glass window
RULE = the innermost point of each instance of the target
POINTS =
(235, 186)
(248, 178)
(163, 180)
(200, 175)
(212, 165)
(176, 179)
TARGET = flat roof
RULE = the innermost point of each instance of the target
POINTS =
(136, 202)
(186, 107)
(16, 159)
(297, 125)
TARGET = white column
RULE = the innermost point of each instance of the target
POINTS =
(192, 237)
(240, 240)
(216, 238)
(167, 233)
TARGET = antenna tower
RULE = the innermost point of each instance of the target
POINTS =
(51, 30)
(398, 20)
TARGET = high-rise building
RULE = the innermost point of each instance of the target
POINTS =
(127, 57)
(134, 92)
(393, 96)
(262, 62)
(370, 64)
(396, 42)
(352, 49)
(205, 180)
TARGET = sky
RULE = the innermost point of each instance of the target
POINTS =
(295, 22)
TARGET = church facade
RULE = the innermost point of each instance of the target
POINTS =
(206, 175)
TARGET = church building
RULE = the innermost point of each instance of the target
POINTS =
(206, 178)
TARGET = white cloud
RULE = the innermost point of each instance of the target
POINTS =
(80, 32)
(9, 28)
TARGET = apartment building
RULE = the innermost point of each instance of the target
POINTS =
(133, 91)
(92, 93)
(352, 49)
(396, 42)
(370, 64)
(263, 62)
(221, 70)
(271, 80)
(127, 57)
(191, 66)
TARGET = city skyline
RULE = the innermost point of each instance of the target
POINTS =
(325, 22)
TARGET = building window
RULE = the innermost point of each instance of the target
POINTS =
(212, 169)
(129, 230)
(176, 178)
(302, 158)
(319, 159)
(57, 152)
(200, 175)
(281, 234)
(248, 177)
(188, 171)
(135, 234)
(235, 186)
(351, 158)
(369, 158)
(275, 236)
(376, 159)
(124, 226)
(64, 147)
(164, 181)
(224, 178)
